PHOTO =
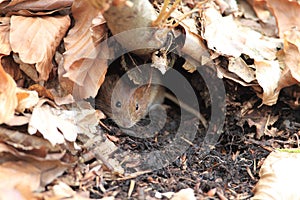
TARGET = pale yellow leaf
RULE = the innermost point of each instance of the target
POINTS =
(55, 128)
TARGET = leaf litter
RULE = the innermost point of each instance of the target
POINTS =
(254, 46)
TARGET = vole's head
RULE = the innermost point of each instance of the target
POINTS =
(129, 104)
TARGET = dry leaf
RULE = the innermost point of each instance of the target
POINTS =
(82, 62)
(268, 74)
(8, 98)
(89, 74)
(35, 146)
(184, 194)
(25, 6)
(63, 124)
(278, 177)
(5, 47)
(286, 14)
(235, 39)
(35, 39)
(292, 52)
(240, 68)
(19, 173)
(55, 125)
(13, 69)
(48, 167)
(26, 99)
(260, 8)
(42, 91)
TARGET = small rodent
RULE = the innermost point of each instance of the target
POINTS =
(127, 103)
(130, 103)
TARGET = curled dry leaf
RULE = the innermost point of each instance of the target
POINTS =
(26, 99)
(268, 74)
(82, 62)
(194, 46)
(8, 98)
(5, 47)
(35, 39)
(278, 177)
(42, 91)
(286, 14)
(240, 68)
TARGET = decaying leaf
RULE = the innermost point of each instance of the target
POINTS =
(35, 39)
(278, 177)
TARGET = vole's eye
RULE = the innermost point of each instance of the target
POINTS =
(136, 106)
(118, 104)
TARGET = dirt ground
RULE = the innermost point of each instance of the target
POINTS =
(231, 169)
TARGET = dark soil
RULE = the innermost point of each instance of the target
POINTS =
(229, 170)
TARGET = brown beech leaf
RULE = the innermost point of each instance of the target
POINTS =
(286, 14)
(13, 69)
(19, 173)
(8, 98)
(82, 63)
(5, 47)
(88, 74)
(47, 168)
(35, 39)
(34, 5)
(278, 176)
(29, 144)
(292, 52)
(260, 8)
